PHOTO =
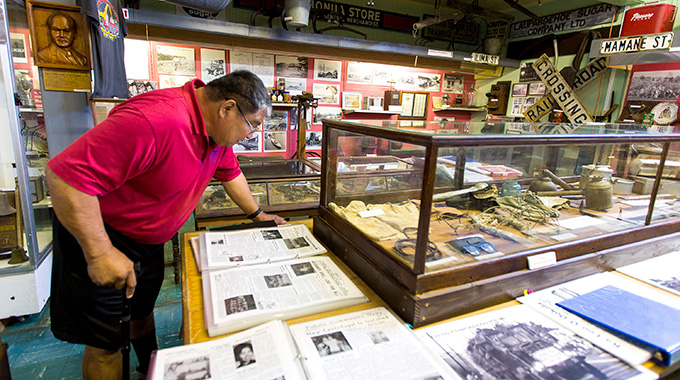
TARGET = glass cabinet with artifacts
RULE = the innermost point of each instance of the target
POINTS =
(289, 187)
(25, 206)
(462, 221)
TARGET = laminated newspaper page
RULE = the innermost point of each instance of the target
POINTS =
(370, 344)
(228, 249)
(662, 272)
(263, 352)
(238, 298)
(519, 343)
(627, 349)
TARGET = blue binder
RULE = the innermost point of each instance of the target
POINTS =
(648, 321)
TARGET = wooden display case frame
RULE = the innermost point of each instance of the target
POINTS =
(422, 297)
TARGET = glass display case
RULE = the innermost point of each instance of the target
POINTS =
(25, 206)
(459, 221)
(27, 223)
(279, 186)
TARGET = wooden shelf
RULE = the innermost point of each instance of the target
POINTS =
(468, 109)
(371, 111)
(291, 105)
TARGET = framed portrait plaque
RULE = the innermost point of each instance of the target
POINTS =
(60, 36)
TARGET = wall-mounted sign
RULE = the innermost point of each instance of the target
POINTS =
(561, 91)
(593, 69)
(660, 41)
(348, 14)
(484, 58)
(464, 31)
(561, 22)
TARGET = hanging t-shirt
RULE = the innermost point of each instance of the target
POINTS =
(107, 31)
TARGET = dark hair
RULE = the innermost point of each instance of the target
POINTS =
(242, 86)
(241, 346)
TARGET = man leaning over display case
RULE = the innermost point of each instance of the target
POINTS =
(126, 187)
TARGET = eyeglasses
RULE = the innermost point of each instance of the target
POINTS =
(252, 129)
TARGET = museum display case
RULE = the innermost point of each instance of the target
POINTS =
(462, 221)
(278, 185)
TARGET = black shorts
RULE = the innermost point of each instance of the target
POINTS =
(85, 313)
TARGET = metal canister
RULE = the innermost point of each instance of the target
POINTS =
(599, 194)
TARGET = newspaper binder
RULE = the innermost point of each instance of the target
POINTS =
(648, 321)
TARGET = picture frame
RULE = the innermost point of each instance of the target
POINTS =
(536, 88)
(19, 52)
(71, 51)
(520, 89)
(327, 70)
(351, 100)
(413, 105)
(327, 93)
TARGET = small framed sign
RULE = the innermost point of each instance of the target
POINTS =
(520, 89)
(536, 88)
(414, 105)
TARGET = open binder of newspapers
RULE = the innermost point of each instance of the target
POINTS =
(238, 298)
(229, 249)
(370, 344)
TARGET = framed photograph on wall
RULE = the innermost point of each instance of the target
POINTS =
(60, 35)
(321, 113)
(453, 83)
(327, 93)
(358, 72)
(351, 100)
(18, 47)
(314, 139)
(520, 89)
(249, 144)
(536, 88)
(327, 70)
(274, 141)
(175, 60)
(414, 105)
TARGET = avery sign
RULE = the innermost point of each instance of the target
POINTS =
(660, 41)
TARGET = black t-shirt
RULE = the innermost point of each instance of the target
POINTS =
(107, 31)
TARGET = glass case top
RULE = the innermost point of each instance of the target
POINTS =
(444, 127)
(276, 169)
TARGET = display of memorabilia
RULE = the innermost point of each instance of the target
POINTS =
(292, 192)
(276, 185)
(524, 200)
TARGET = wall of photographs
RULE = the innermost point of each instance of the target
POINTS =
(342, 87)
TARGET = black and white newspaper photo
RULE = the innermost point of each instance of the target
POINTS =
(662, 271)
(369, 344)
(239, 298)
(225, 249)
(519, 343)
(544, 301)
(263, 352)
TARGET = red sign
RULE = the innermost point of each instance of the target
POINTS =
(648, 19)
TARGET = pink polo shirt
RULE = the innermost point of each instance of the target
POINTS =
(148, 162)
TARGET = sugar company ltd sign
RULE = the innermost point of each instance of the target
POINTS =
(560, 22)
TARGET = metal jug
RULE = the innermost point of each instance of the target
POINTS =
(598, 194)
